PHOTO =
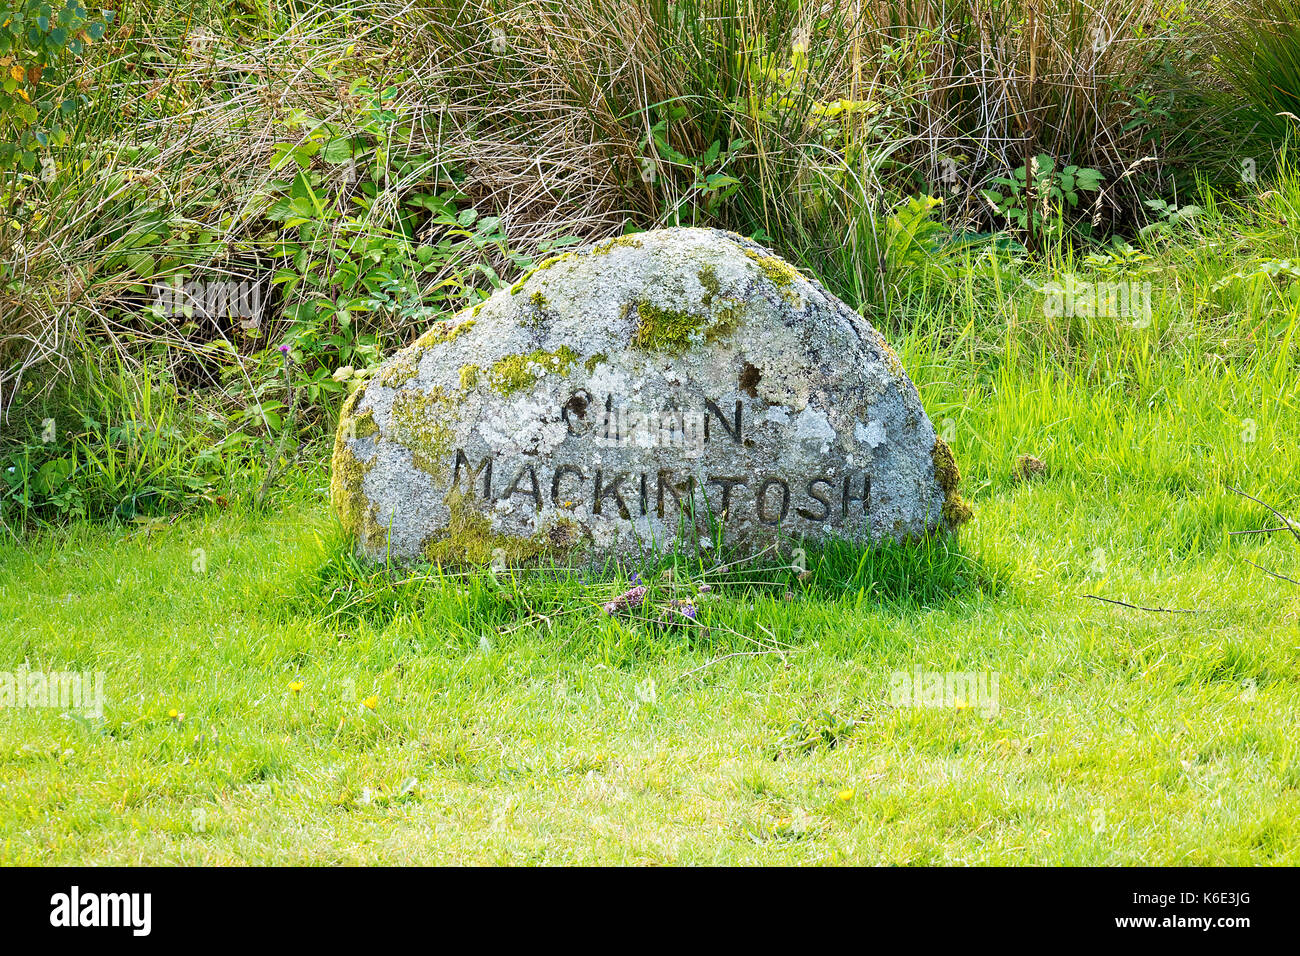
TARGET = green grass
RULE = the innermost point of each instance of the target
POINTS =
(513, 721)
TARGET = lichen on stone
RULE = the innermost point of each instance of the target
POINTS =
(956, 511)
(419, 422)
(514, 372)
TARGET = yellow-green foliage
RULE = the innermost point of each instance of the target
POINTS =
(469, 376)
(955, 509)
(514, 372)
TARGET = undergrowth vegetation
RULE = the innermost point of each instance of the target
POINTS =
(193, 186)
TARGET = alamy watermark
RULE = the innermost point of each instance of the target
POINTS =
(64, 690)
(618, 427)
(1114, 300)
(952, 689)
(241, 300)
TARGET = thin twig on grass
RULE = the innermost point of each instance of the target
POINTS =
(1138, 607)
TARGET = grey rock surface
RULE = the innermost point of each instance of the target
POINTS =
(643, 392)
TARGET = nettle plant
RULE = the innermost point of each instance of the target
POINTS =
(38, 41)
(1052, 193)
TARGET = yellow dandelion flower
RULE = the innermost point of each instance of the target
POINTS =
(296, 686)
(372, 701)
(173, 713)
(844, 796)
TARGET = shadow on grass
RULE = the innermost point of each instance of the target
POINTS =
(893, 578)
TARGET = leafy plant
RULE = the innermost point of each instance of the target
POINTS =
(1169, 216)
(1052, 189)
(37, 42)
(823, 729)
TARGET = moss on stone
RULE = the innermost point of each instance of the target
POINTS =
(348, 471)
(594, 360)
(540, 267)
(531, 318)
(618, 242)
(470, 539)
(674, 330)
(401, 368)
(363, 425)
(443, 332)
(892, 360)
(419, 422)
(599, 249)
(405, 365)
(708, 277)
(469, 376)
(956, 511)
(514, 372)
(779, 272)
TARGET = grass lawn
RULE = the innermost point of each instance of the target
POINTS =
(326, 712)
(515, 722)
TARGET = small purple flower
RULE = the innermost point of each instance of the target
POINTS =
(628, 599)
(635, 579)
(677, 613)
(284, 349)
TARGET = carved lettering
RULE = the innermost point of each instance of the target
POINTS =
(732, 430)
(484, 468)
(534, 491)
(612, 490)
(762, 501)
(816, 496)
(560, 472)
(727, 482)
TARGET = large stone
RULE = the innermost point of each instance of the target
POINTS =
(657, 389)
